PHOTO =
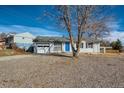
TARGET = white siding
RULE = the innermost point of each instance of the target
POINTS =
(95, 49)
(23, 38)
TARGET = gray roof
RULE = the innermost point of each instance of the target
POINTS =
(91, 40)
(61, 39)
(50, 39)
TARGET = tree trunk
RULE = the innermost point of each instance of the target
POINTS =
(76, 54)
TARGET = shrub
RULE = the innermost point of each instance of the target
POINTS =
(117, 45)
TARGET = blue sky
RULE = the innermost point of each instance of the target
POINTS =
(25, 19)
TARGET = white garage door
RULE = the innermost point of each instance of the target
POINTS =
(43, 48)
(40, 50)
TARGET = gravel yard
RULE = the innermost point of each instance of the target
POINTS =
(62, 71)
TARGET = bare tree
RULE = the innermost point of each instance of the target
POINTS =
(3, 35)
(98, 30)
(80, 19)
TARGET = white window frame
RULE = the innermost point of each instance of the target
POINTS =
(57, 46)
(89, 45)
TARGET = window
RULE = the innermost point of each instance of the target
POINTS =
(57, 46)
(82, 45)
(89, 45)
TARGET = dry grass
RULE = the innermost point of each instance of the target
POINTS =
(58, 71)
(112, 51)
(10, 52)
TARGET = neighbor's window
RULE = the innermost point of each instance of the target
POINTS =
(89, 45)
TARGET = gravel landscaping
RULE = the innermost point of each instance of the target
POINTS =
(62, 71)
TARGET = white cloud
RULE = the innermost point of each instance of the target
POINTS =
(33, 30)
(116, 35)
(113, 25)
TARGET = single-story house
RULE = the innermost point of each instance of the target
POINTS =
(22, 40)
(45, 44)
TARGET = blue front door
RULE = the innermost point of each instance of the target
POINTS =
(67, 46)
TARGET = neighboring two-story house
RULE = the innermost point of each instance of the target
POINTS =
(22, 40)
